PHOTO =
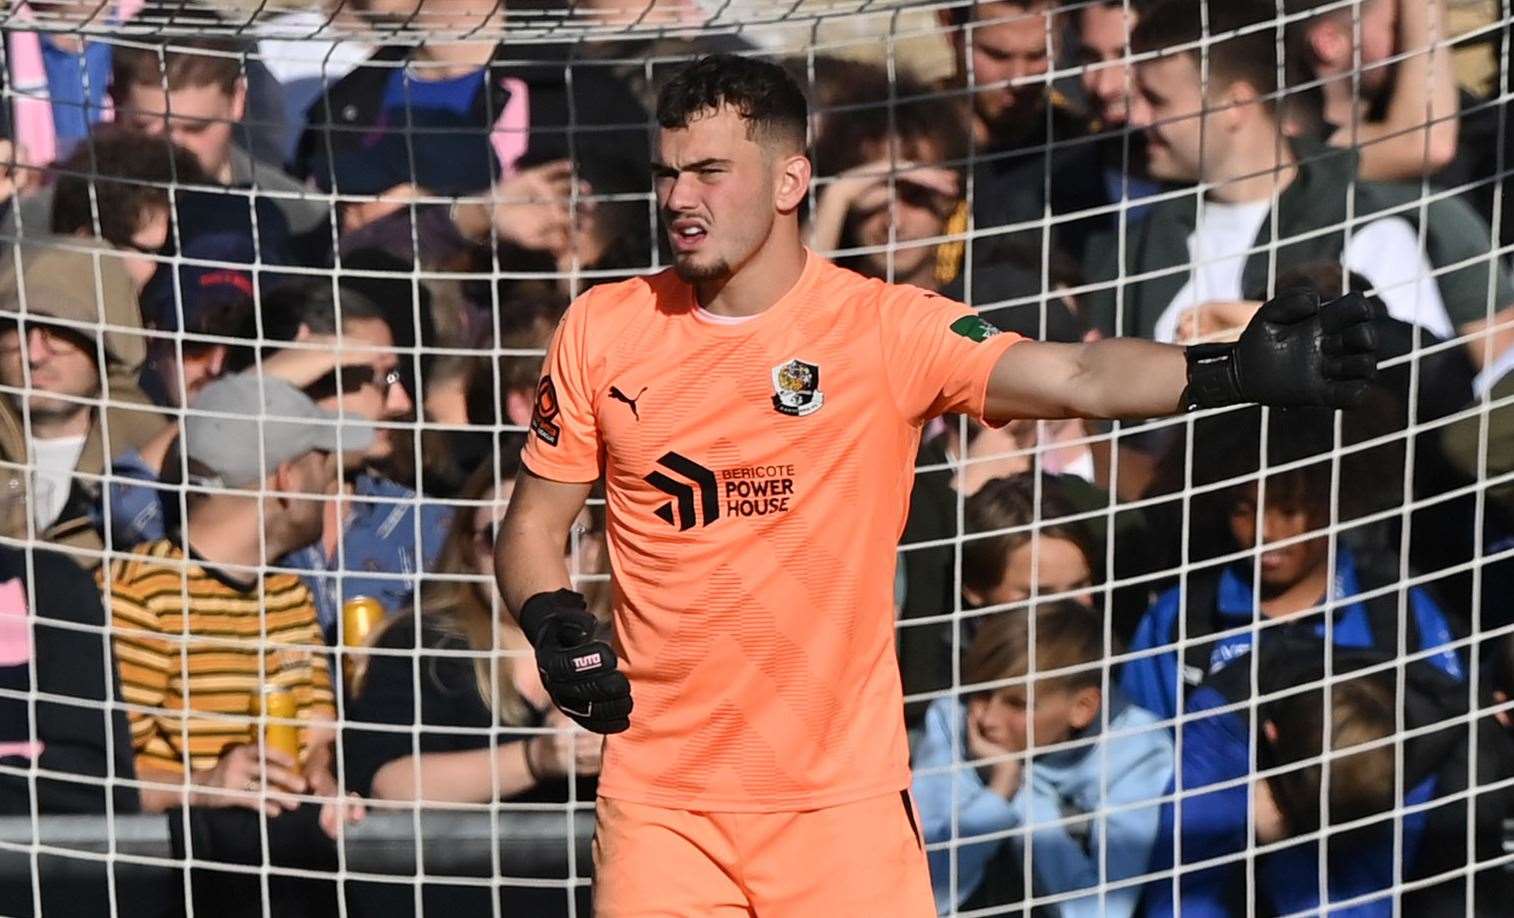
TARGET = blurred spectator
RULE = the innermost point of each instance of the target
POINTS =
(490, 389)
(192, 92)
(1014, 552)
(1419, 375)
(467, 704)
(304, 66)
(899, 186)
(117, 187)
(114, 189)
(481, 120)
(1104, 28)
(1014, 546)
(1429, 761)
(67, 342)
(52, 629)
(984, 768)
(65, 746)
(1401, 114)
(1496, 385)
(1462, 446)
(643, 64)
(57, 78)
(191, 697)
(1291, 579)
(193, 302)
(1204, 254)
(378, 537)
(1028, 151)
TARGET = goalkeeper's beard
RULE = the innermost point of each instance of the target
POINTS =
(690, 271)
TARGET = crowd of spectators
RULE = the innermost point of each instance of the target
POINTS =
(270, 333)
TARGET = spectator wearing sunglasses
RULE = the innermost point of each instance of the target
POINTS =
(376, 541)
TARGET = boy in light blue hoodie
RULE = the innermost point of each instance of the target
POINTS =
(1081, 773)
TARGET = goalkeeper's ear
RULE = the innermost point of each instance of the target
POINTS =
(792, 178)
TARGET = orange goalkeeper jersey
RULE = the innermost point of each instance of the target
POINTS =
(757, 479)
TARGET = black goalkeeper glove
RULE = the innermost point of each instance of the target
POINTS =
(577, 669)
(1293, 352)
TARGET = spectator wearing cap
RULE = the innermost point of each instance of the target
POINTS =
(70, 351)
(201, 630)
(193, 92)
(213, 297)
(210, 299)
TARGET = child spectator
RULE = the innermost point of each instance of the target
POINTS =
(1358, 711)
(987, 767)
(1013, 553)
(1216, 609)
(1010, 551)
(466, 705)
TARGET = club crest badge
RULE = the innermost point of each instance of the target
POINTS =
(796, 389)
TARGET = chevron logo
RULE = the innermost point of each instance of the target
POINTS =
(680, 510)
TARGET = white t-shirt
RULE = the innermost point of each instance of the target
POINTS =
(53, 463)
(1386, 252)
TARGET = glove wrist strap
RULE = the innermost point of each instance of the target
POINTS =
(538, 611)
(1211, 377)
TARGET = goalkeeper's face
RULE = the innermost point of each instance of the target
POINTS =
(721, 191)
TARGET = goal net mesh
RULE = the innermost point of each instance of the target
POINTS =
(1228, 662)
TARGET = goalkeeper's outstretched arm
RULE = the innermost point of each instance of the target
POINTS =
(1294, 352)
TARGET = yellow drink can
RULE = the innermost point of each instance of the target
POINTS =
(279, 730)
(360, 615)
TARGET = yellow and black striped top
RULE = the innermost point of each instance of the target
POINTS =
(195, 649)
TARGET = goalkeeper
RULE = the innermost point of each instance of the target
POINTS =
(754, 412)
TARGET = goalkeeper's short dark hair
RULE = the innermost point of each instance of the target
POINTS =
(763, 93)
(113, 178)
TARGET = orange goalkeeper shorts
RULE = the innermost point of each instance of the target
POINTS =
(864, 858)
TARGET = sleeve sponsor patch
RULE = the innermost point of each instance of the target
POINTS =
(974, 328)
(544, 415)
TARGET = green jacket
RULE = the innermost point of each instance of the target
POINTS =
(1311, 214)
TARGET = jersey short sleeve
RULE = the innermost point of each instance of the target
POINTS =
(563, 442)
(939, 354)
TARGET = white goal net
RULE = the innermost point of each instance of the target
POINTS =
(277, 286)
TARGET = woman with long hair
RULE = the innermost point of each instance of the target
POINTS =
(476, 674)
(461, 720)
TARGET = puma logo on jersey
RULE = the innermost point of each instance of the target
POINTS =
(586, 662)
(620, 396)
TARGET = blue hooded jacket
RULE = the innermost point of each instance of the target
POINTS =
(1152, 681)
